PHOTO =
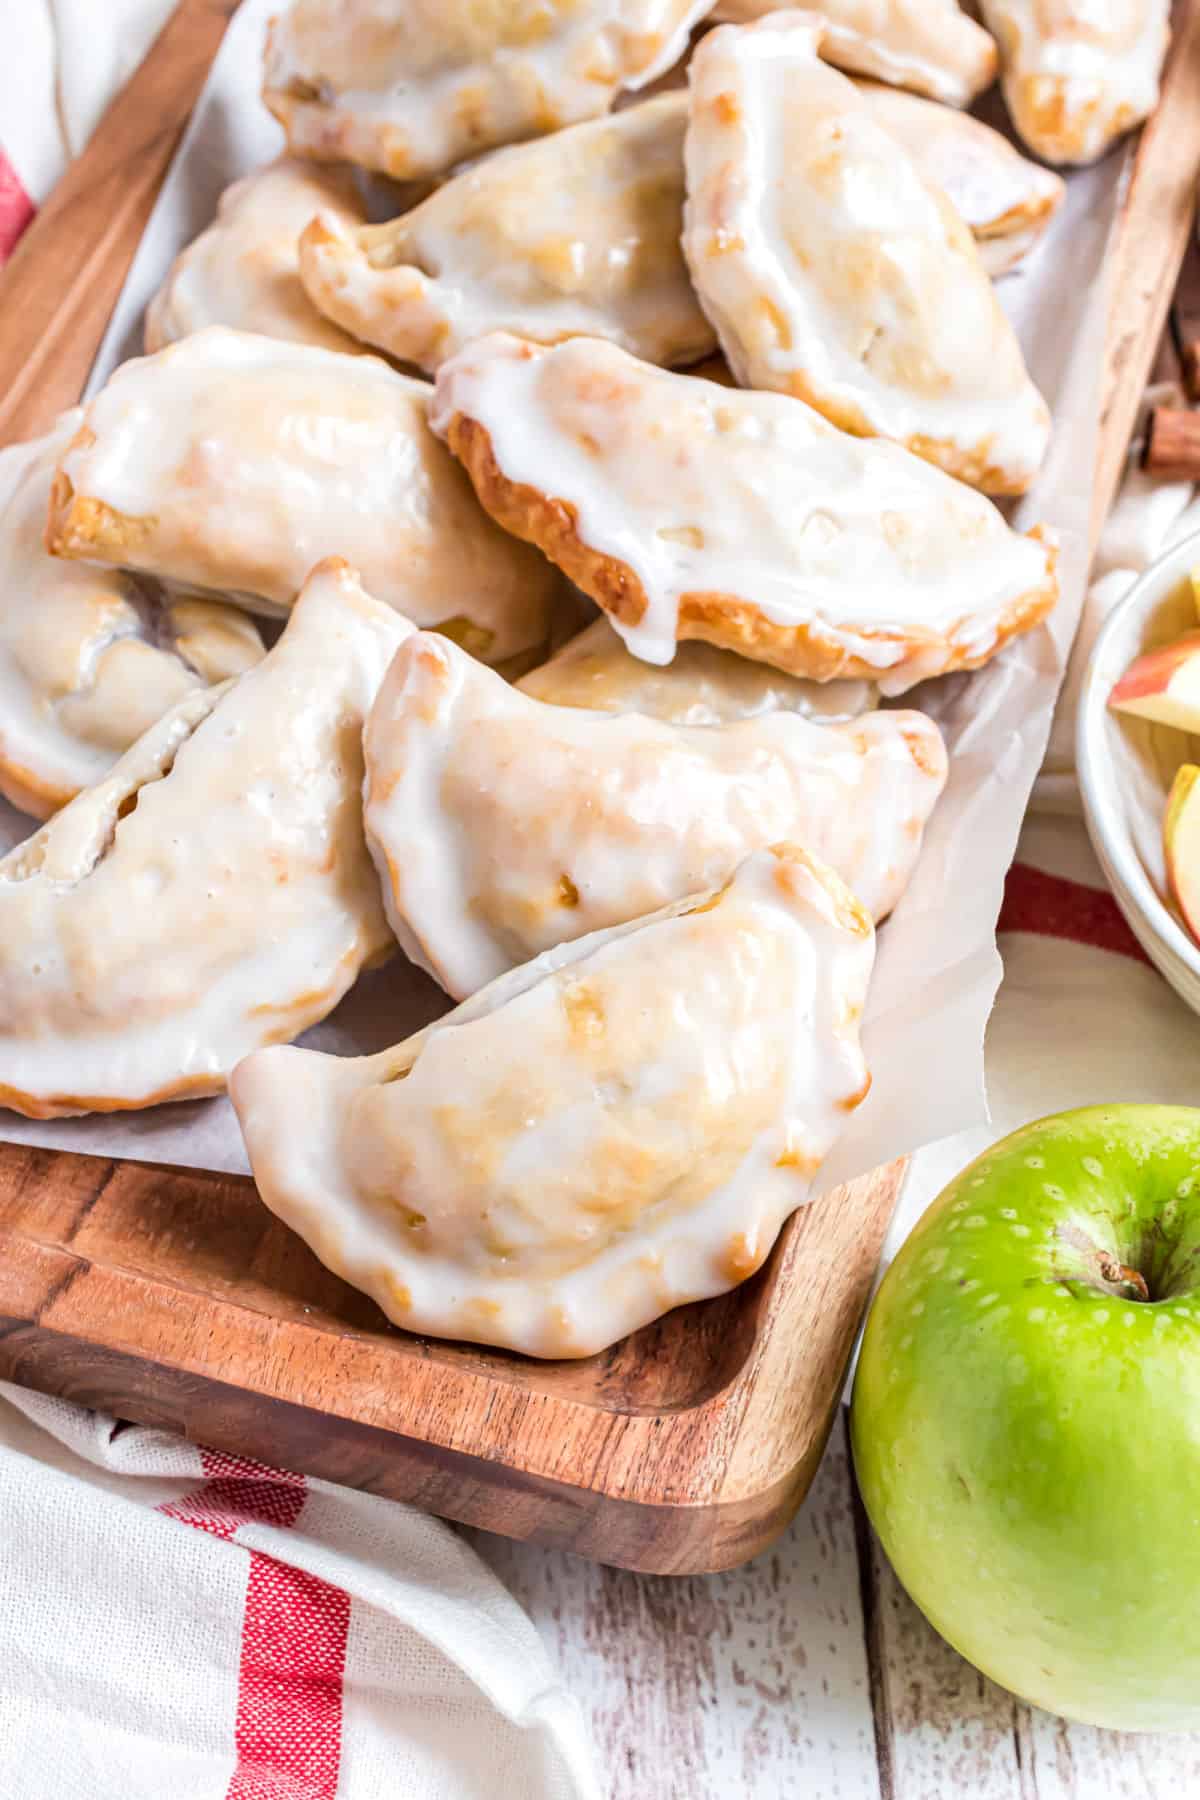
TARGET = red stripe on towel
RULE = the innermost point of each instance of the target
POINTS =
(288, 1730)
(1053, 906)
(16, 208)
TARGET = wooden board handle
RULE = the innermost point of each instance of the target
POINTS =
(1158, 218)
(58, 291)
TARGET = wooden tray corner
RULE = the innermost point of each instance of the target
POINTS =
(174, 1298)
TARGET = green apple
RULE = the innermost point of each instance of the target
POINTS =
(1026, 1415)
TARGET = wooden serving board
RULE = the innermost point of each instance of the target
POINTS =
(174, 1298)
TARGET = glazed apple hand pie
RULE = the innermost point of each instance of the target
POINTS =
(502, 826)
(1005, 200)
(244, 270)
(235, 463)
(410, 87)
(1078, 74)
(577, 233)
(691, 510)
(88, 661)
(929, 46)
(214, 892)
(700, 686)
(832, 271)
(679, 1082)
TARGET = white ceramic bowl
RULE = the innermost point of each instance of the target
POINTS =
(1126, 765)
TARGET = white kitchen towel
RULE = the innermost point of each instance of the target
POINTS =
(63, 61)
(177, 1624)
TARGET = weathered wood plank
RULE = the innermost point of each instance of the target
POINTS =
(944, 1728)
(1074, 1762)
(949, 1730)
(750, 1683)
(1156, 224)
(772, 1681)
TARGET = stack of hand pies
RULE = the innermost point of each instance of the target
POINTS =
(721, 370)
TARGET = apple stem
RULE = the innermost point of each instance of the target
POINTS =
(1121, 1275)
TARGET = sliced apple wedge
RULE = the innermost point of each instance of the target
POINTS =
(1181, 842)
(1164, 685)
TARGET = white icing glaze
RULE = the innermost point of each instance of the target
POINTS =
(576, 233)
(235, 462)
(678, 1082)
(88, 661)
(834, 272)
(413, 86)
(213, 893)
(1078, 74)
(502, 826)
(699, 488)
(930, 46)
(244, 270)
(1006, 200)
(700, 686)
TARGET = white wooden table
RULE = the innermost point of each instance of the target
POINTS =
(806, 1675)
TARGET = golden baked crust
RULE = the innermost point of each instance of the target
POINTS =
(77, 525)
(537, 518)
(65, 1106)
(83, 527)
(268, 455)
(572, 235)
(311, 127)
(313, 131)
(1055, 123)
(414, 90)
(735, 624)
(308, 1009)
(25, 790)
(972, 465)
(727, 620)
(112, 1006)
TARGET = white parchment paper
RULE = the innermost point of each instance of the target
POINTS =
(938, 968)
